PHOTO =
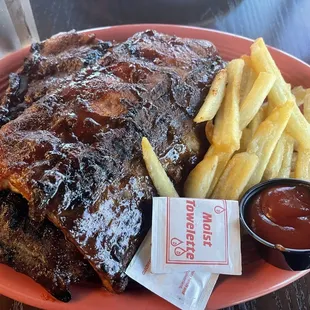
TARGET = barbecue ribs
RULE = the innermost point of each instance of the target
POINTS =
(71, 147)
(39, 250)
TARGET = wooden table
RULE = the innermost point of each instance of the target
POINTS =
(283, 24)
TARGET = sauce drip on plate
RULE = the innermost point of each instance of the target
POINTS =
(281, 215)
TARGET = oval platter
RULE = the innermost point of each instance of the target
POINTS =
(230, 290)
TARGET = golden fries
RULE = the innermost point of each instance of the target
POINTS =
(247, 61)
(199, 180)
(255, 98)
(269, 108)
(302, 170)
(209, 129)
(245, 139)
(302, 130)
(266, 137)
(294, 161)
(306, 107)
(299, 92)
(156, 172)
(227, 133)
(214, 98)
(297, 127)
(223, 159)
(260, 44)
(235, 176)
(248, 77)
(249, 140)
(287, 157)
(275, 162)
(258, 119)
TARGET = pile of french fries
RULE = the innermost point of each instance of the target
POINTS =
(257, 126)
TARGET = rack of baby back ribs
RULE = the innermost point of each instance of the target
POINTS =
(75, 191)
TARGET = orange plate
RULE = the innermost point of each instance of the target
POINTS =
(258, 277)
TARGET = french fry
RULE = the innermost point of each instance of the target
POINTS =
(257, 120)
(245, 139)
(306, 107)
(247, 60)
(214, 98)
(235, 176)
(266, 137)
(294, 160)
(268, 58)
(209, 129)
(295, 145)
(223, 159)
(297, 127)
(199, 180)
(248, 77)
(156, 172)
(299, 92)
(287, 157)
(275, 162)
(227, 133)
(255, 98)
(302, 170)
(270, 108)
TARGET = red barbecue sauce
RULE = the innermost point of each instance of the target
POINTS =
(281, 215)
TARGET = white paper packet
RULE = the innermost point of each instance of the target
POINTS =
(186, 290)
(195, 234)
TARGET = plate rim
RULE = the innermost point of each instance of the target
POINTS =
(152, 25)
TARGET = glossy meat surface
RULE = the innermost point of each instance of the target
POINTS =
(75, 153)
(39, 250)
(50, 64)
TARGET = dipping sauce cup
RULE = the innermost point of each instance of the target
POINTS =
(276, 213)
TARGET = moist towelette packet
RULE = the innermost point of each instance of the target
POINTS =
(195, 234)
(188, 290)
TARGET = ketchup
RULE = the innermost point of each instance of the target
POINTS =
(281, 215)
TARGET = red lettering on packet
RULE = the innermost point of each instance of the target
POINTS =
(188, 280)
(190, 232)
(207, 233)
(146, 267)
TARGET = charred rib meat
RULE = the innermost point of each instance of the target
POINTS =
(50, 64)
(39, 250)
(74, 152)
